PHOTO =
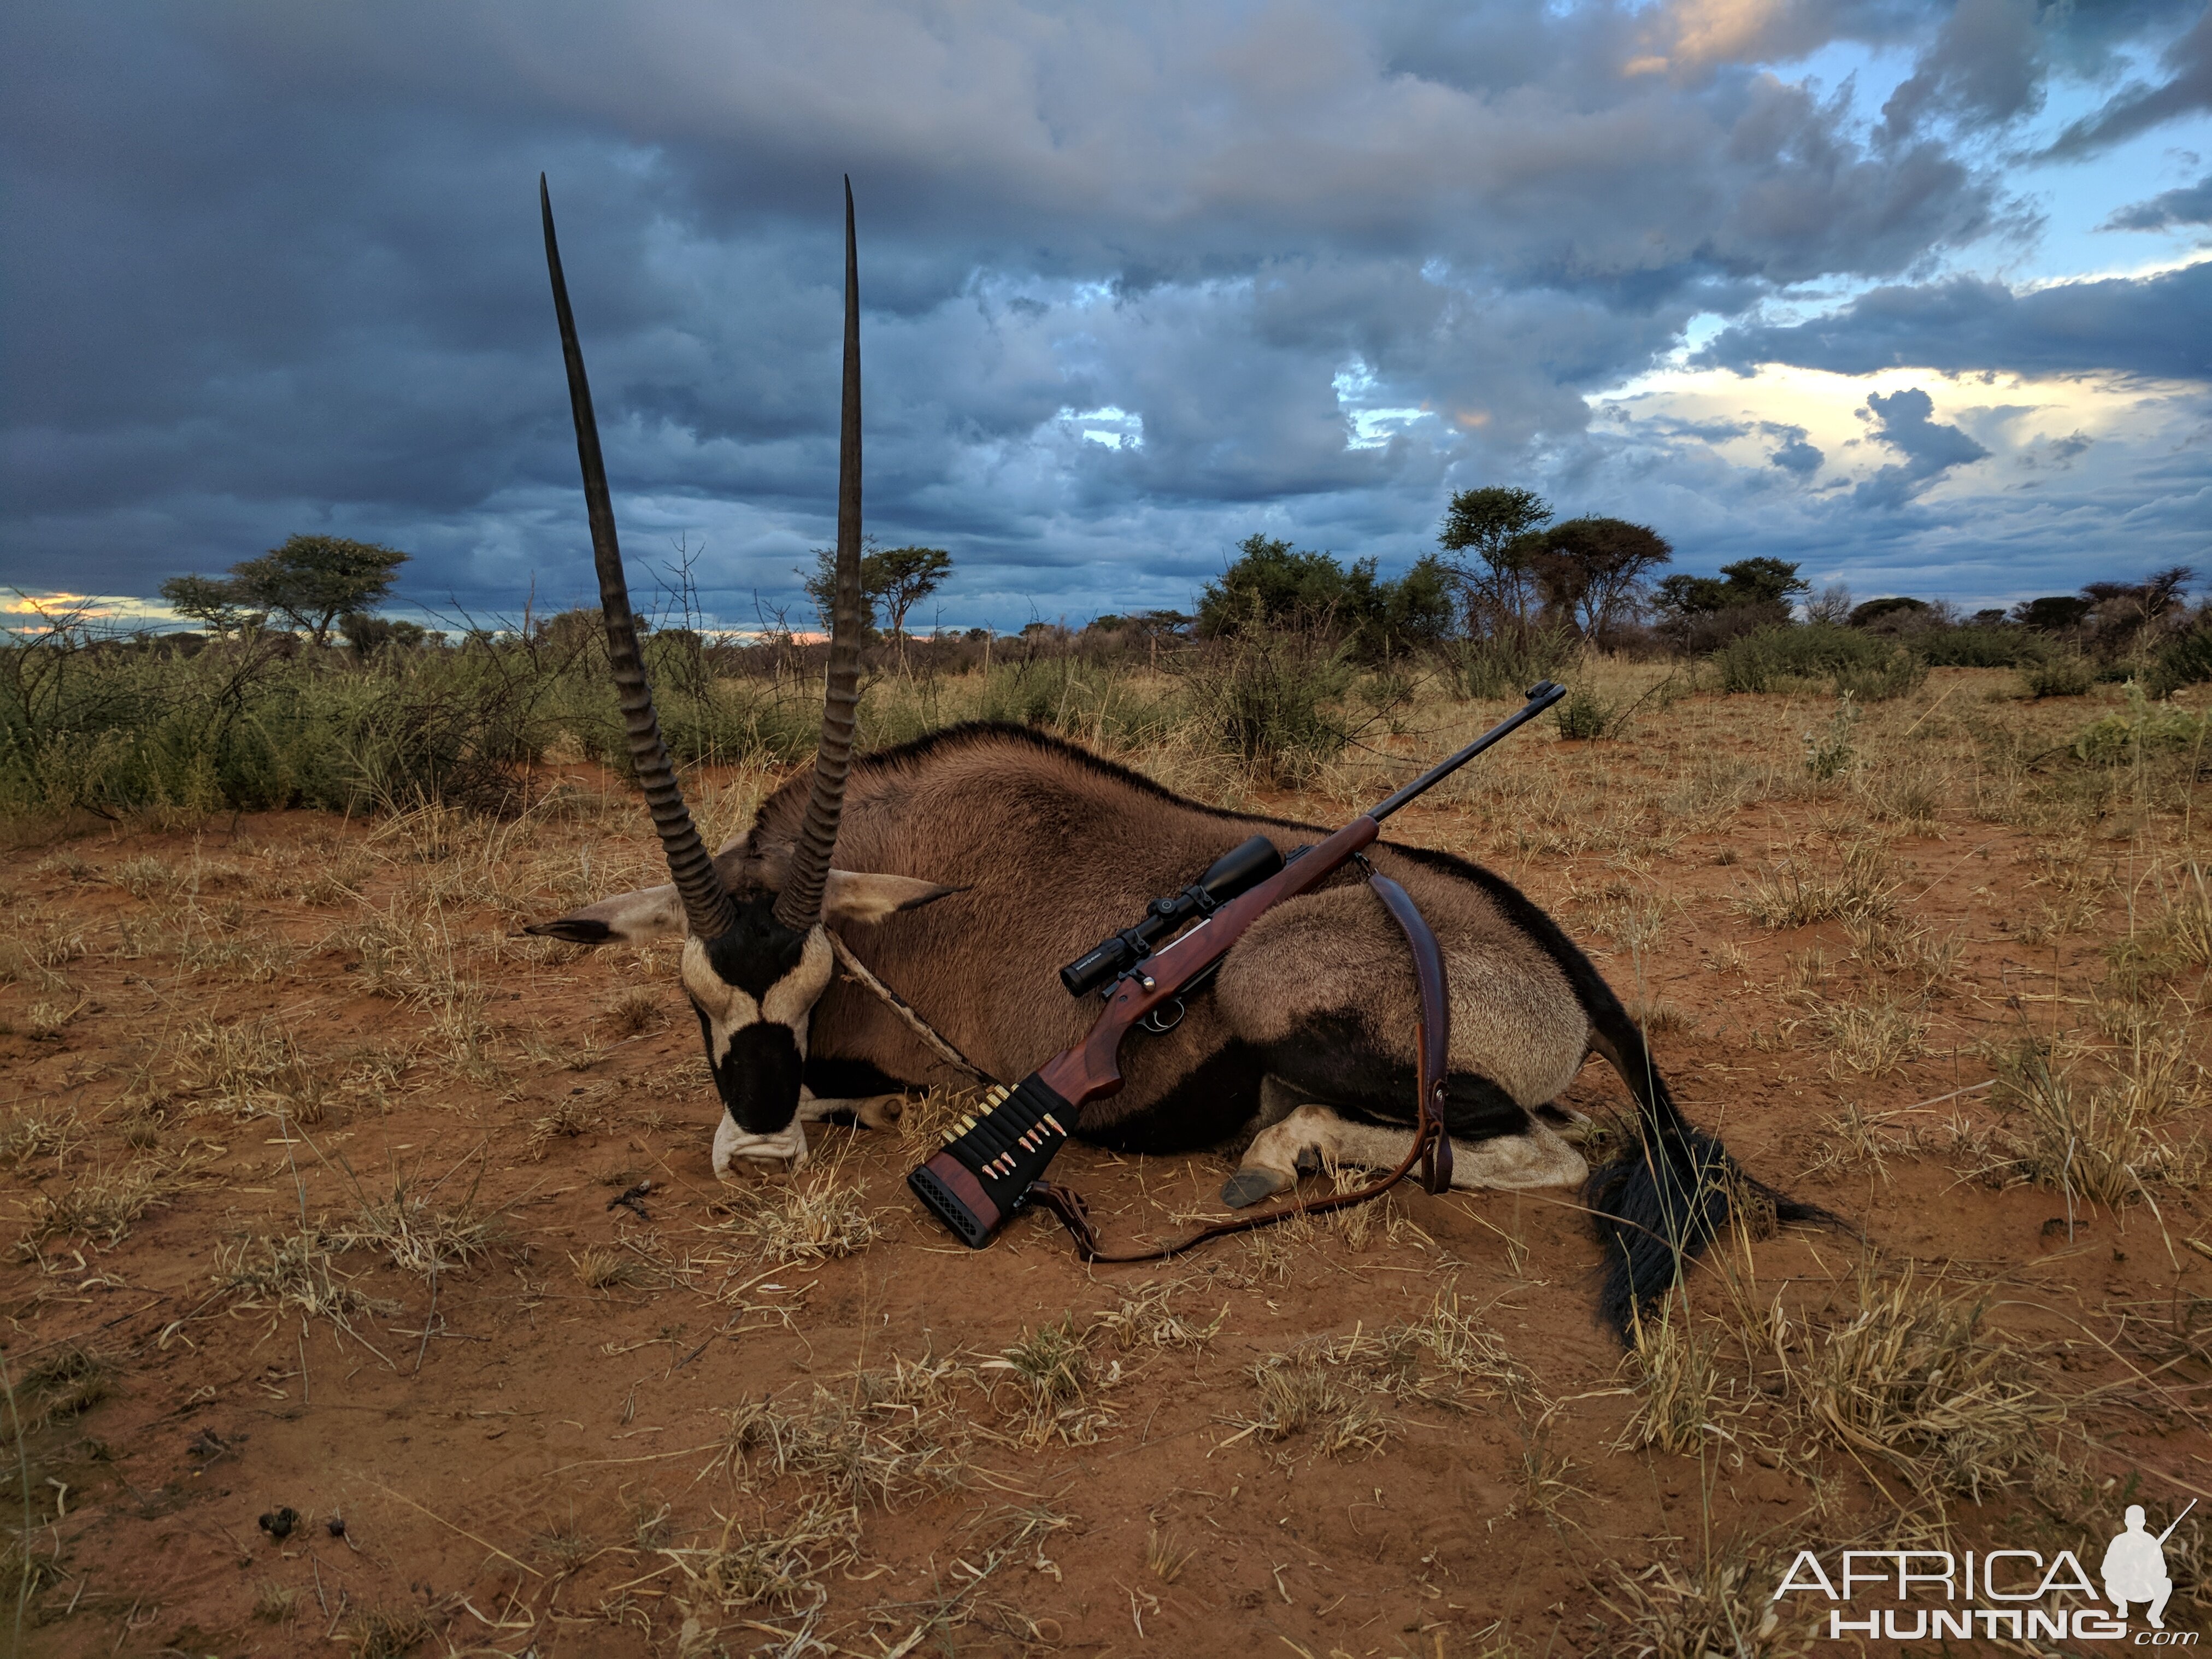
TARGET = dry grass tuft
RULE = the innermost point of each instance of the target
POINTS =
(1908, 792)
(415, 1232)
(1913, 1379)
(1145, 1320)
(293, 1274)
(26, 1136)
(2104, 1141)
(1718, 1612)
(1165, 1556)
(1793, 896)
(104, 1204)
(636, 1011)
(607, 1267)
(67, 1380)
(567, 1547)
(387, 1632)
(573, 1116)
(275, 1603)
(1673, 1362)
(884, 1437)
(1471, 1361)
(785, 1564)
(32, 953)
(146, 877)
(250, 1066)
(925, 1122)
(1870, 1038)
(1301, 1392)
(2173, 934)
(812, 1219)
(1051, 1370)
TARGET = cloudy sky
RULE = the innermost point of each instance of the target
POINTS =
(1918, 295)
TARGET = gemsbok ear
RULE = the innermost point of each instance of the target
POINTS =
(851, 896)
(625, 919)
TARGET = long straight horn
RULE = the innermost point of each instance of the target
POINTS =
(706, 902)
(799, 904)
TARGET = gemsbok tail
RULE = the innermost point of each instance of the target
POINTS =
(1670, 1192)
(1665, 1198)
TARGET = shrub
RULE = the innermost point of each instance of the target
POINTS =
(1093, 702)
(1508, 662)
(1980, 648)
(1267, 700)
(1798, 658)
(2185, 659)
(1582, 716)
(116, 727)
(1900, 674)
(122, 725)
(2066, 675)
(2122, 739)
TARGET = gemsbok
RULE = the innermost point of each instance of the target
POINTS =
(968, 865)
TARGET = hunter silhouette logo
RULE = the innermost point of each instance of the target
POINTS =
(2135, 1566)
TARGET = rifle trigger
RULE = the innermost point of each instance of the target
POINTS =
(1151, 1021)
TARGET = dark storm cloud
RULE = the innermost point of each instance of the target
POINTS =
(2154, 325)
(1795, 455)
(1902, 421)
(2138, 107)
(2192, 204)
(275, 268)
(1985, 68)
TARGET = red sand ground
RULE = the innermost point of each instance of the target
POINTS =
(499, 1444)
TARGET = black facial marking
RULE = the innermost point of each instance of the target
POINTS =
(848, 1080)
(576, 930)
(756, 952)
(758, 1078)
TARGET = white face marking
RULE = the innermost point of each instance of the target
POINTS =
(789, 1002)
(792, 997)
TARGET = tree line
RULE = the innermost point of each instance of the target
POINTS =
(1506, 568)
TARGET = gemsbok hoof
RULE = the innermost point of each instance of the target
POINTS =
(1248, 1187)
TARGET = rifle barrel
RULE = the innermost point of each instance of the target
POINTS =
(1541, 696)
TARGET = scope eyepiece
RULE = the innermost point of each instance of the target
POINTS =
(1234, 872)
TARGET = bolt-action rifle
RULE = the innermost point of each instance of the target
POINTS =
(985, 1171)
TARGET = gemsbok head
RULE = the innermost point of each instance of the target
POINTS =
(755, 958)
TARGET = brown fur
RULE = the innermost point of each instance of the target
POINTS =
(1051, 850)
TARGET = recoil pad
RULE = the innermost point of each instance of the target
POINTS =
(982, 1174)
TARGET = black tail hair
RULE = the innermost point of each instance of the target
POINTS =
(1663, 1200)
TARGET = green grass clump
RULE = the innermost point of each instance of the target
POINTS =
(1800, 657)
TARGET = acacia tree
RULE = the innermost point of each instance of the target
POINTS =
(212, 601)
(893, 580)
(1594, 569)
(905, 576)
(1497, 525)
(311, 582)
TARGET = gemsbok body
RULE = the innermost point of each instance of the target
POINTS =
(964, 868)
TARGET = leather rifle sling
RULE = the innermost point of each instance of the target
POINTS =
(1431, 1147)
